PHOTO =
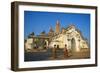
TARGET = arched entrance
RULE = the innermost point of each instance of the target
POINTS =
(46, 43)
(73, 44)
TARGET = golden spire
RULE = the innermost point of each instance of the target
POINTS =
(57, 29)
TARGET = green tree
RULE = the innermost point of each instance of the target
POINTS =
(31, 35)
(43, 33)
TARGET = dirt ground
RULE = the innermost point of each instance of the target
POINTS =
(75, 55)
(47, 55)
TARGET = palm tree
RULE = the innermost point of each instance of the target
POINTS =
(31, 35)
(43, 33)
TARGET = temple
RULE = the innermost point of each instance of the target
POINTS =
(69, 36)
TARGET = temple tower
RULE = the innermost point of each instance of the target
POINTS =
(57, 29)
(51, 32)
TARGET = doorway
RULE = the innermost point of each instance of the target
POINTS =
(73, 44)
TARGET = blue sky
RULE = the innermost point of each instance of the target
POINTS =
(35, 21)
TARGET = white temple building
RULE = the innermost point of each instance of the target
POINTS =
(70, 37)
